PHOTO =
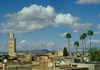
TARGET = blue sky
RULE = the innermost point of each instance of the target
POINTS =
(43, 24)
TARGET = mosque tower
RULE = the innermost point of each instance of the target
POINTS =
(12, 45)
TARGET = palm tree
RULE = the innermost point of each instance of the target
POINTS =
(85, 35)
(68, 35)
(81, 38)
(76, 43)
(90, 32)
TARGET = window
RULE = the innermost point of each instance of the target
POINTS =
(10, 43)
(11, 46)
(11, 50)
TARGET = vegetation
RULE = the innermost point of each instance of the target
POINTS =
(81, 38)
(85, 35)
(53, 52)
(65, 52)
(90, 32)
(68, 35)
(94, 54)
(76, 43)
(35, 56)
(22, 56)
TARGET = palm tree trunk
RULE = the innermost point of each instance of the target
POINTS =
(76, 50)
(85, 45)
(90, 41)
(69, 47)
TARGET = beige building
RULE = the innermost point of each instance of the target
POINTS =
(12, 45)
(60, 53)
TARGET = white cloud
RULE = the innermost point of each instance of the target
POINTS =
(65, 19)
(18, 36)
(97, 32)
(23, 41)
(4, 47)
(64, 34)
(8, 15)
(99, 15)
(98, 27)
(30, 19)
(82, 26)
(35, 18)
(75, 31)
(36, 12)
(88, 2)
(31, 45)
(94, 43)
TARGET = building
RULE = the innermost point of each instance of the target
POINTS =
(70, 54)
(60, 53)
(12, 45)
(44, 58)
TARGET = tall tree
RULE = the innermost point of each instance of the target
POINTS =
(76, 43)
(90, 32)
(85, 35)
(65, 52)
(81, 38)
(68, 35)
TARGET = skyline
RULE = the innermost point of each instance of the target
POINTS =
(43, 24)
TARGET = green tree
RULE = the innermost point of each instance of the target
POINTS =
(68, 35)
(76, 43)
(94, 54)
(85, 35)
(53, 53)
(81, 38)
(90, 32)
(65, 52)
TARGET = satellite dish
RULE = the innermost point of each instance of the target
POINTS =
(5, 60)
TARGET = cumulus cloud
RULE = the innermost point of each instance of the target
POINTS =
(35, 18)
(98, 27)
(65, 19)
(30, 45)
(82, 26)
(4, 47)
(18, 36)
(63, 35)
(23, 41)
(97, 32)
(99, 15)
(94, 43)
(88, 2)
(76, 31)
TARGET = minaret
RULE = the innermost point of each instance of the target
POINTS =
(12, 45)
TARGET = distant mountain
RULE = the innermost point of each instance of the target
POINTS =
(3, 52)
(36, 51)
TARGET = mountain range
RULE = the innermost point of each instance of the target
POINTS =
(35, 51)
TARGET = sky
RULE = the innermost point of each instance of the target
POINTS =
(43, 24)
